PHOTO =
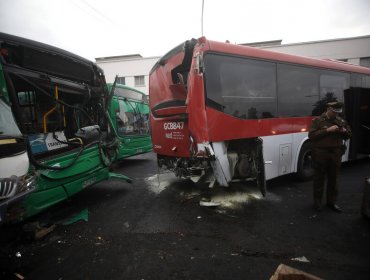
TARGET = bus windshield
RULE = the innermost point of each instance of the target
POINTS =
(131, 111)
(129, 114)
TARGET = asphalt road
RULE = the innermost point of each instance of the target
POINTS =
(148, 230)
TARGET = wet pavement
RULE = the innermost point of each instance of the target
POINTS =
(155, 228)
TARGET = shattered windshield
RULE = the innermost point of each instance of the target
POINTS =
(8, 126)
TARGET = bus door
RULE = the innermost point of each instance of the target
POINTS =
(357, 100)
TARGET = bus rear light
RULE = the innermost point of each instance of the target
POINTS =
(303, 129)
(174, 149)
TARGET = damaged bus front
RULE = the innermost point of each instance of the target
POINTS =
(129, 113)
(15, 180)
(59, 101)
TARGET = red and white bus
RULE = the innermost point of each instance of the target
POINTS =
(230, 112)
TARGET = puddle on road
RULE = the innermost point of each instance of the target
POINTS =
(234, 200)
(238, 198)
(158, 183)
(234, 197)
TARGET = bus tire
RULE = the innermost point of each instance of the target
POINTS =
(305, 169)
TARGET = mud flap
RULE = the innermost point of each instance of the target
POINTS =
(260, 178)
(220, 165)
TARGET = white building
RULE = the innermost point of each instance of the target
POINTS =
(355, 50)
(133, 70)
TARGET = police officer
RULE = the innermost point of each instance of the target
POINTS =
(327, 133)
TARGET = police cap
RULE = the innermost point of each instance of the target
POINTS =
(337, 107)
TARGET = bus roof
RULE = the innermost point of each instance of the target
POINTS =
(282, 57)
(253, 52)
(4, 37)
(124, 91)
(48, 59)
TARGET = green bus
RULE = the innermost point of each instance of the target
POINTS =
(129, 113)
(59, 102)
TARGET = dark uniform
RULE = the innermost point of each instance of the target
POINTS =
(328, 148)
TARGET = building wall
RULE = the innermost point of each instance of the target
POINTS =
(354, 50)
(128, 68)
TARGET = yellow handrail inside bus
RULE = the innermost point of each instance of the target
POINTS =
(51, 110)
(64, 117)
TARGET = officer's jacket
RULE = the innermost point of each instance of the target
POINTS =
(323, 139)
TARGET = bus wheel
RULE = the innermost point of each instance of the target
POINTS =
(305, 169)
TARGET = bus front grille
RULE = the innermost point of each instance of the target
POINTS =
(8, 187)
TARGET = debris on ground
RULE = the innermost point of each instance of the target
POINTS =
(209, 203)
(300, 259)
(36, 231)
(19, 276)
(286, 272)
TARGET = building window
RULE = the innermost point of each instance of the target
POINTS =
(139, 81)
(121, 80)
(365, 61)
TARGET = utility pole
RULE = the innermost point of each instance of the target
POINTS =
(202, 15)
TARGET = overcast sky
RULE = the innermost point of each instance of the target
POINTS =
(100, 28)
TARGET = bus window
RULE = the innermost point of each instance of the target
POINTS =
(244, 88)
(332, 85)
(27, 103)
(26, 98)
(356, 80)
(366, 82)
(298, 90)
